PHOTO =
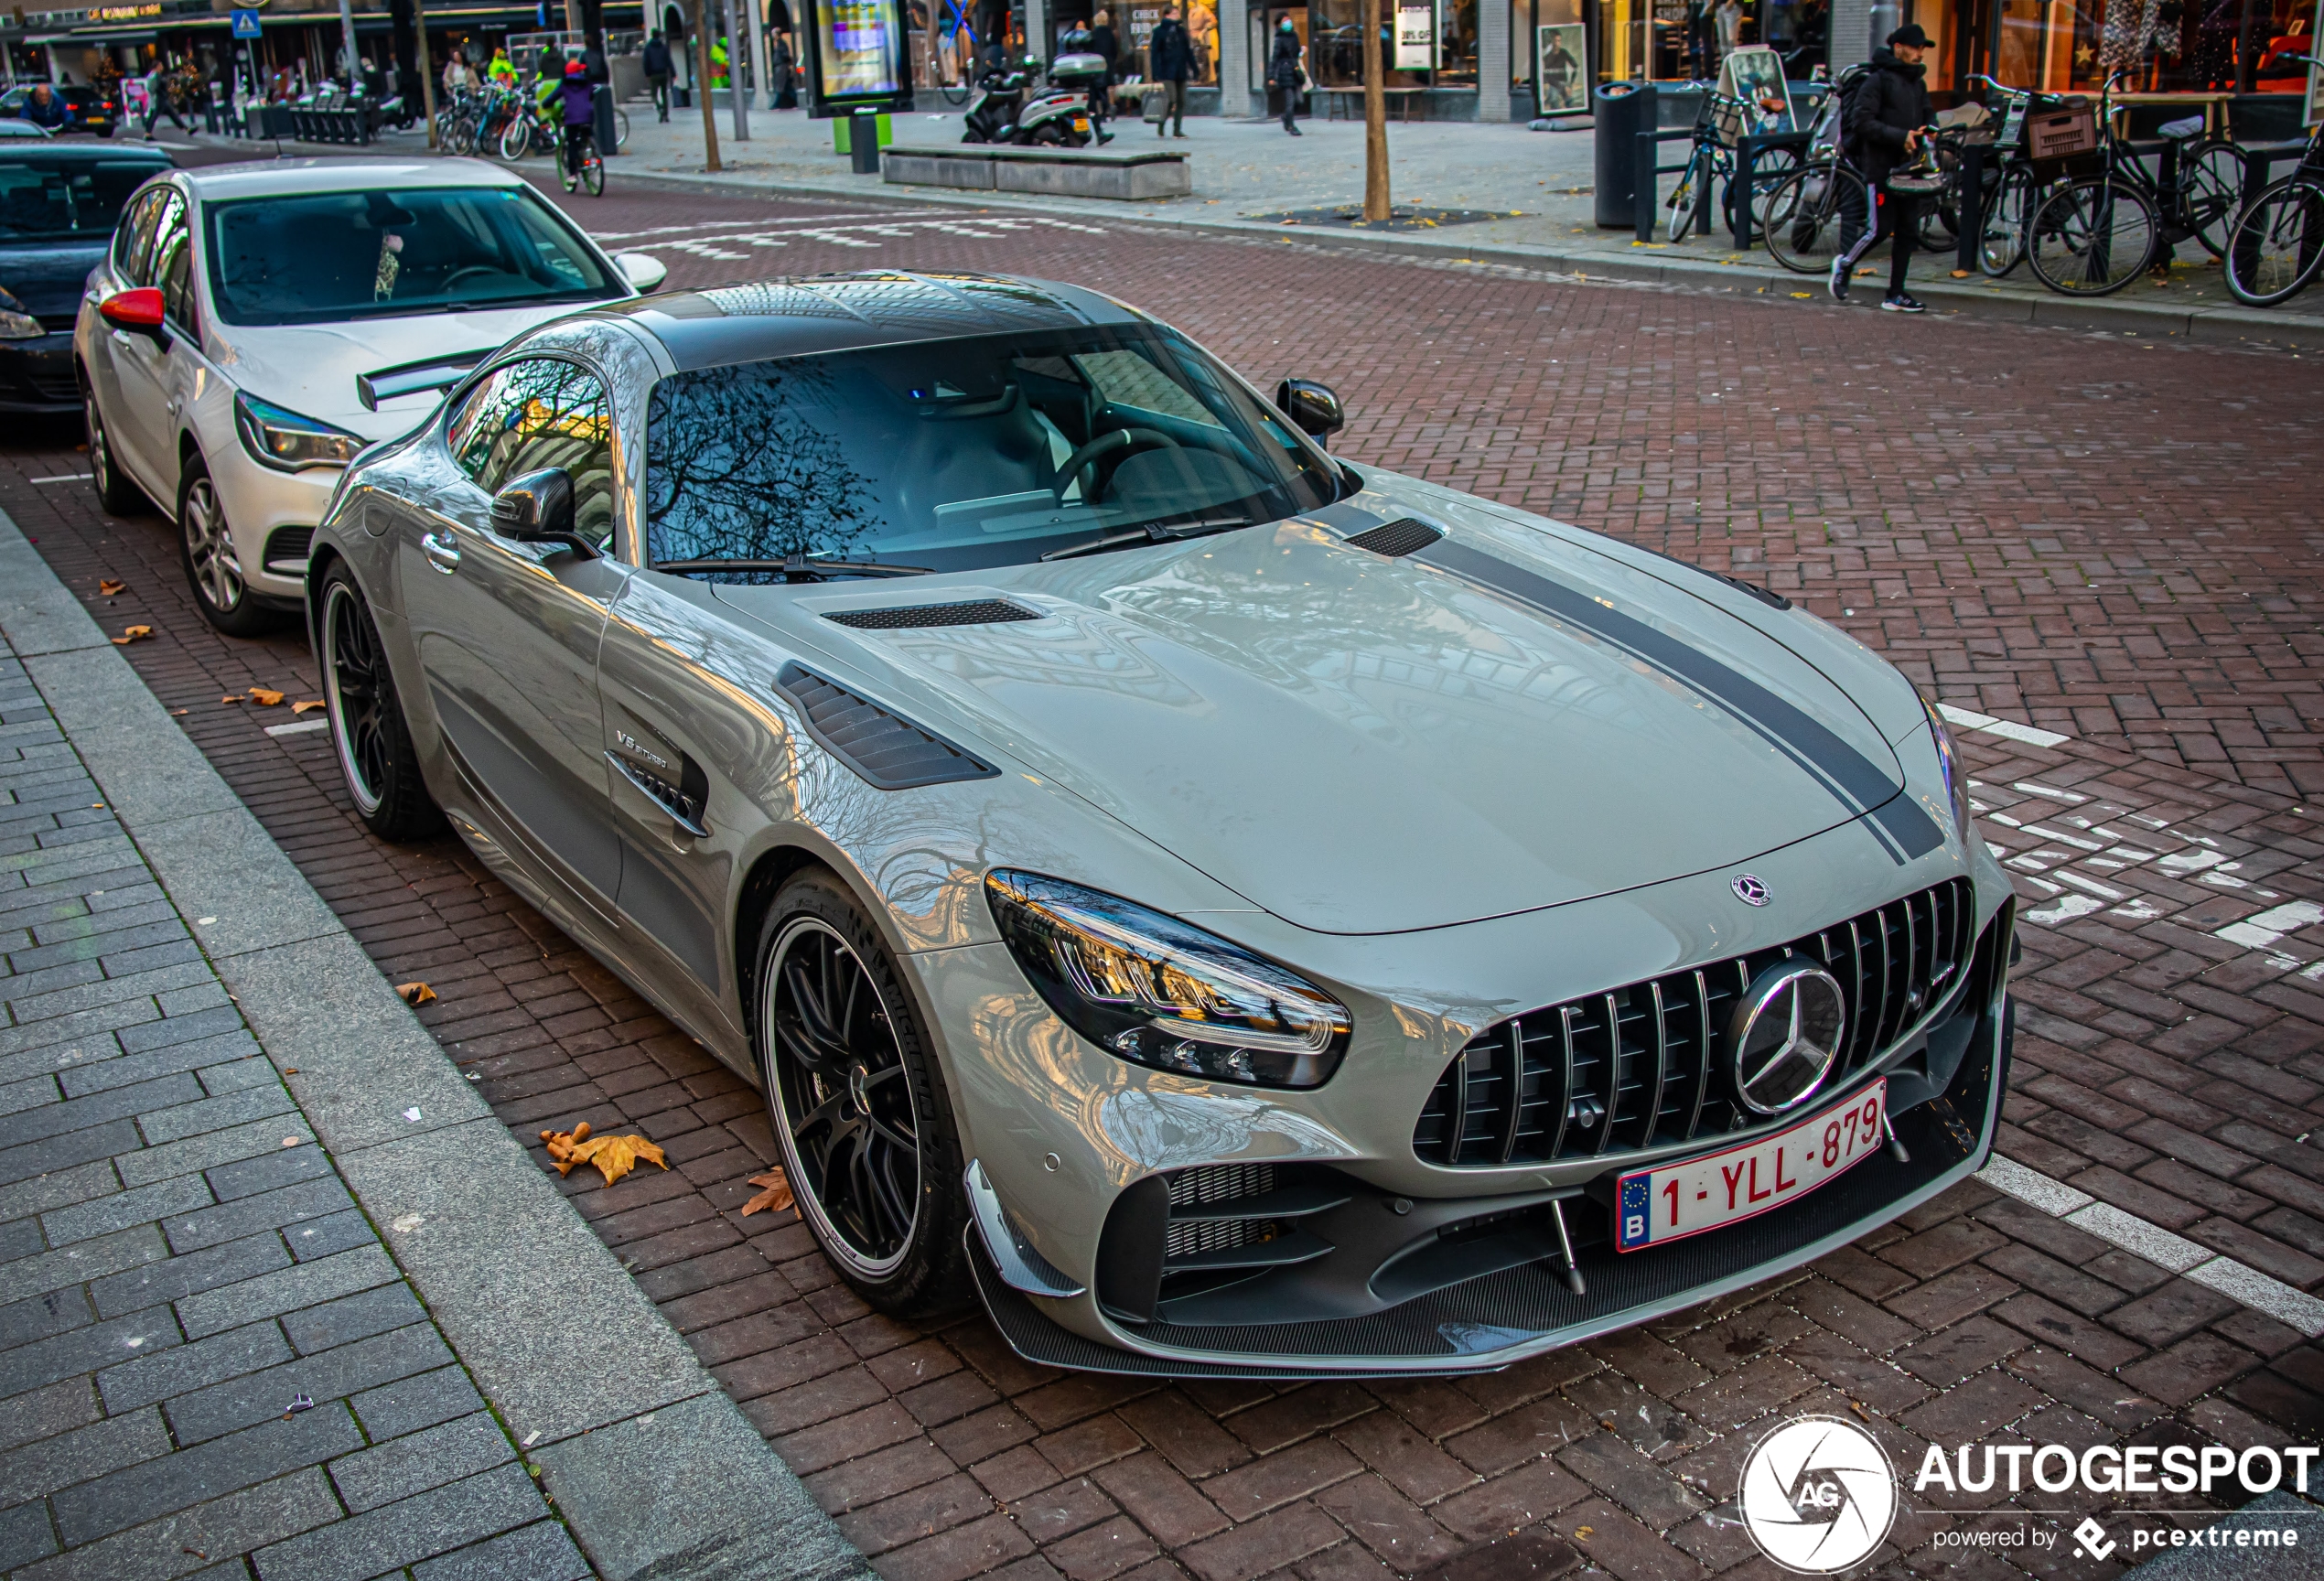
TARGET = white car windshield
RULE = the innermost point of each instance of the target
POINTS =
(958, 454)
(325, 257)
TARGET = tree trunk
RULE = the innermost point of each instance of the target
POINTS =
(428, 68)
(701, 31)
(1375, 119)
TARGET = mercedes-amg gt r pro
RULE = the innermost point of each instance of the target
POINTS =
(1238, 910)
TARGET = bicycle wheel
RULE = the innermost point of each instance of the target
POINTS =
(516, 138)
(620, 126)
(2091, 237)
(2277, 245)
(1805, 215)
(1769, 169)
(593, 174)
(1681, 202)
(2211, 173)
(2002, 245)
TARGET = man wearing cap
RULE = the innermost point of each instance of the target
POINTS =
(1884, 129)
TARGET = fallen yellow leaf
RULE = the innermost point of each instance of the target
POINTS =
(617, 1156)
(131, 633)
(1803, 296)
(307, 705)
(775, 1198)
(1584, 1533)
(562, 1143)
(416, 992)
(264, 697)
(229, 700)
(107, 587)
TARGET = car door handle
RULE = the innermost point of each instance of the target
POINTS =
(681, 807)
(443, 550)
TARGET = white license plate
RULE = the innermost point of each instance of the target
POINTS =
(1719, 1188)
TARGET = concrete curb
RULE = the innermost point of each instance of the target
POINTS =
(655, 1471)
(2213, 326)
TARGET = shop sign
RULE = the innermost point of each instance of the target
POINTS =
(125, 12)
(1415, 37)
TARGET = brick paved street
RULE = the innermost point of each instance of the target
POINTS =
(2106, 539)
(179, 1263)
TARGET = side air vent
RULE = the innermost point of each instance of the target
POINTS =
(287, 550)
(911, 618)
(889, 751)
(1405, 535)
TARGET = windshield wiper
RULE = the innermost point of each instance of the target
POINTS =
(1152, 532)
(796, 568)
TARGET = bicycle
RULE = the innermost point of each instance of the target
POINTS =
(2278, 245)
(1711, 162)
(2093, 234)
(591, 174)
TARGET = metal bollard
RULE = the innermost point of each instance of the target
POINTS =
(862, 142)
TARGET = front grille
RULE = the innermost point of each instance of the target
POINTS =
(1641, 1066)
(1212, 1186)
(1405, 535)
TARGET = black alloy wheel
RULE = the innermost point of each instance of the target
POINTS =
(368, 729)
(858, 1104)
(116, 495)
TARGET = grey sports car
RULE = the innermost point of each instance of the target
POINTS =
(1239, 912)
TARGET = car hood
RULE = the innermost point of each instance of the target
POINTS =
(1364, 744)
(48, 278)
(312, 368)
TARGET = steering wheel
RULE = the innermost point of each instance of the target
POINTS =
(459, 274)
(1106, 445)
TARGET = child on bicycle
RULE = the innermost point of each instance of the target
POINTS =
(1883, 132)
(578, 96)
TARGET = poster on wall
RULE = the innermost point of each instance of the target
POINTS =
(1560, 80)
(856, 56)
(1756, 77)
(1416, 36)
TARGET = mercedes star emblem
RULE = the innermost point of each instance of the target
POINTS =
(1750, 890)
(1785, 1034)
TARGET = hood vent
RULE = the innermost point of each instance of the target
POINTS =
(913, 616)
(1406, 535)
(889, 751)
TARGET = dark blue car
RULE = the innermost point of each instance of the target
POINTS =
(58, 204)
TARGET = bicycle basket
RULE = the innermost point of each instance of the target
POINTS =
(2061, 143)
(1726, 120)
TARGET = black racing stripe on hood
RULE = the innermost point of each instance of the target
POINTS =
(1897, 821)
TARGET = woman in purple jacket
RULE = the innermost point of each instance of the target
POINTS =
(579, 97)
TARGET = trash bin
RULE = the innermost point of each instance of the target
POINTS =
(1622, 110)
(862, 142)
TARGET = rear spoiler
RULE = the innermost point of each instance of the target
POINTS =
(410, 378)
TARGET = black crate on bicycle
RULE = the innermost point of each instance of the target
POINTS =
(2060, 143)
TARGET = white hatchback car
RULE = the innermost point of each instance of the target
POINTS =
(254, 327)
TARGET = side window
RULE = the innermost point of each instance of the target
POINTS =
(134, 239)
(173, 259)
(165, 215)
(537, 413)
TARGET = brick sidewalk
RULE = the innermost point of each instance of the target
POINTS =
(1975, 1319)
(208, 1362)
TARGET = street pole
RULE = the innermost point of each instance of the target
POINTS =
(1375, 120)
(428, 70)
(702, 85)
(935, 41)
(735, 64)
(347, 42)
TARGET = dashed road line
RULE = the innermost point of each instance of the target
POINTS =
(1991, 725)
(2263, 1293)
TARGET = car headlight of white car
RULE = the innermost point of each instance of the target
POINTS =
(288, 442)
(1956, 778)
(1159, 991)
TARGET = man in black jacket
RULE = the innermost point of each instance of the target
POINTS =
(1883, 132)
(657, 65)
(1169, 55)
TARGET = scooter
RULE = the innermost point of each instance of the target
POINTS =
(1007, 108)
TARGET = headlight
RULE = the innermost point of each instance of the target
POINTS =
(287, 442)
(1158, 992)
(1956, 779)
(15, 324)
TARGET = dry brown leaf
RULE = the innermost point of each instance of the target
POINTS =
(414, 993)
(107, 587)
(617, 1156)
(229, 700)
(774, 1198)
(1585, 1533)
(178, 712)
(131, 633)
(561, 1146)
(264, 697)
(307, 705)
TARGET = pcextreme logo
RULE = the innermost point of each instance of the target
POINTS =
(1818, 1495)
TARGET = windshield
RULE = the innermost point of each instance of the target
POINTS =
(329, 256)
(954, 455)
(44, 196)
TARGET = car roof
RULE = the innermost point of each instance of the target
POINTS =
(795, 315)
(50, 150)
(289, 178)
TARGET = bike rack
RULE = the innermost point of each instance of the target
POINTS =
(1648, 193)
(1747, 157)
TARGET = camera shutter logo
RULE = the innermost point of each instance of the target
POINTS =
(1785, 1034)
(1818, 1495)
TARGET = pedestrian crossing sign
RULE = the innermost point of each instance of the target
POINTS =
(246, 24)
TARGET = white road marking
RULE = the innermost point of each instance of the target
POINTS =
(299, 727)
(2292, 1307)
(2010, 729)
(721, 238)
(65, 478)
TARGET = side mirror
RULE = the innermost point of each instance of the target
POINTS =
(538, 509)
(642, 270)
(1312, 406)
(139, 312)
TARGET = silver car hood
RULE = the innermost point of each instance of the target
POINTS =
(1362, 745)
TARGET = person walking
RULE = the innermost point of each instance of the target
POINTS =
(657, 65)
(1283, 72)
(1884, 129)
(782, 68)
(161, 99)
(1170, 61)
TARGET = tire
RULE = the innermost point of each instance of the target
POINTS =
(850, 1093)
(116, 495)
(2002, 247)
(1769, 170)
(2092, 237)
(213, 566)
(2276, 245)
(516, 138)
(368, 729)
(593, 175)
(1805, 215)
(2211, 172)
(621, 127)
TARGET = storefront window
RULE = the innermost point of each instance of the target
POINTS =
(1202, 25)
(2178, 45)
(1456, 43)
